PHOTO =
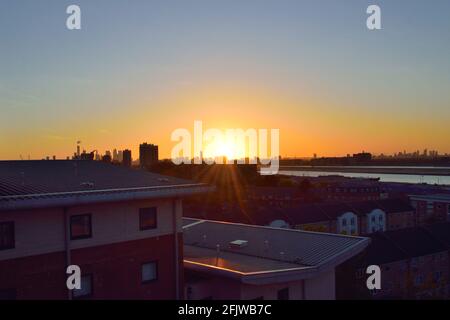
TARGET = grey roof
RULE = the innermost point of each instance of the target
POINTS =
(32, 184)
(322, 212)
(443, 197)
(269, 250)
(441, 232)
(407, 243)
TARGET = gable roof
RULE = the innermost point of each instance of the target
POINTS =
(321, 212)
(415, 242)
(441, 232)
(407, 243)
(383, 250)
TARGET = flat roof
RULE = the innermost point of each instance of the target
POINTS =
(268, 253)
(46, 183)
(437, 197)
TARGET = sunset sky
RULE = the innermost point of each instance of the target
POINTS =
(140, 69)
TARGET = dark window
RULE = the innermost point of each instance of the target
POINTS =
(149, 272)
(7, 240)
(283, 294)
(86, 287)
(147, 218)
(8, 294)
(80, 227)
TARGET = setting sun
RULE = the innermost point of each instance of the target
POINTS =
(221, 149)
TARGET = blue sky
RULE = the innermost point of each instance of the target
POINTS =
(132, 57)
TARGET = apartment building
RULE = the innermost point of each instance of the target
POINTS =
(122, 227)
(431, 208)
(237, 261)
(414, 264)
(352, 218)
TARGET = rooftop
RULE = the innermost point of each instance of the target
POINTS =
(318, 212)
(436, 197)
(278, 254)
(407, 243)
(33, 184)
(441, 232)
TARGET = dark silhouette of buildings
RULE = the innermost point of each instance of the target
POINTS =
(126, 158)
(148, 154)
(107, 158)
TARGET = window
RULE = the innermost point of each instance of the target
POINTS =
(8, 294)
(344, 222)
(7, 238)
(437, 276)
(283, 294)
(149, 272)
(352, 221)
(86, 287)
(80, 227)
(147, 218)
(419, 280)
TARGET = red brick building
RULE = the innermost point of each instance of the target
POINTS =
(122, 227)
(414, 264)
(227, 261)
(431, 208)
(352, 218)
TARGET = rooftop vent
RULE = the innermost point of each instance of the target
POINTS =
(237, 244)
(87, 184)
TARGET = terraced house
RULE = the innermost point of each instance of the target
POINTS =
(414, 265)
(351, 218)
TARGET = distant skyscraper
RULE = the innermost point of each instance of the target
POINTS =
(115, 156)
(148, 154)
(126, 158)
(107, 158)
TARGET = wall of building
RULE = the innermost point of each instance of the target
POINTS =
(270, 292)
(431, 211)
(211, 288)
(345, 225)
(115, 268)
(399, 279)
(114, 255)
(42, 231)
(321, 287)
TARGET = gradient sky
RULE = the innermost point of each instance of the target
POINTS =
(140, 69)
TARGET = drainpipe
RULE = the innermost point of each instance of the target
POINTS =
(67, 245)
(303, 283)
(176, 257)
